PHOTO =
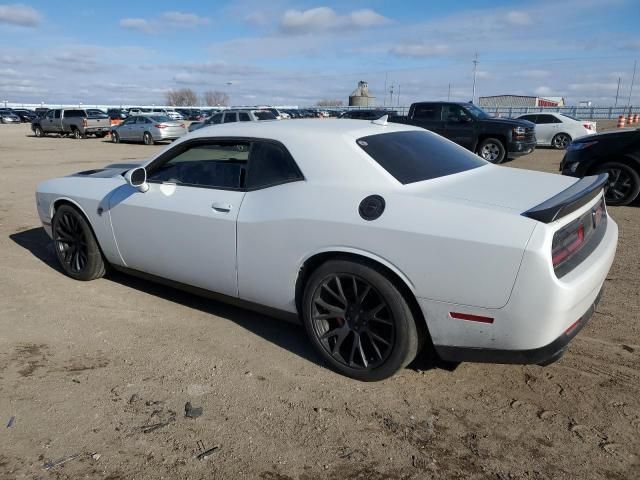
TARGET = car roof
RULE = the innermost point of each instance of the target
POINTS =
(325, 150)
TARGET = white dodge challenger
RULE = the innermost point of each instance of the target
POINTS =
(382, 238)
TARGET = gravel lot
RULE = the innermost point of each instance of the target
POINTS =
(106, 367)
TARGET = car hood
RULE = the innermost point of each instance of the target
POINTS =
(514, 122)
(110, 171)
(495, 186)
(621, 133)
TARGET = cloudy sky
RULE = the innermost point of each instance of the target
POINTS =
(298, 51)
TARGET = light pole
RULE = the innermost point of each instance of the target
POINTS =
(229, 84)
(475, 70)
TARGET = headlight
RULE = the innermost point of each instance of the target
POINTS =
(580, 145)
(519, 130)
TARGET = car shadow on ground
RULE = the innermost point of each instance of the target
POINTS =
(286, 335)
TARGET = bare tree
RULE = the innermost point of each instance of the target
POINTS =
(326, 102)
(214, 98)
(183, 97)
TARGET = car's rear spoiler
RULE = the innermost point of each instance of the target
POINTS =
(569, 200)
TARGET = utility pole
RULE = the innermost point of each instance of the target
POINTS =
(633, 79)
(475, 70)
(398, 95)
(391, 92)
(386, 75)
(617, 93)
(449, 94)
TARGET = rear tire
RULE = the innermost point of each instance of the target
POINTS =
(561, 141)
(148, 139)
(492, 150)
(623, 185)
(75, 245)
(77, 134)
(358, 320)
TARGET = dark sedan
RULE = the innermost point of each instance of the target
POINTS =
(617, 153)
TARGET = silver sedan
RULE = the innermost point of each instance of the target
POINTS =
(147, 129)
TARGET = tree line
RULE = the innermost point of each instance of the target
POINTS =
(186, 97)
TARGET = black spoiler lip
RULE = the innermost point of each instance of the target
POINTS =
(568, 200)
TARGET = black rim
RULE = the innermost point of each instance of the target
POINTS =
(618, 186)
(352, 321)
(71, 242)
(562, 141)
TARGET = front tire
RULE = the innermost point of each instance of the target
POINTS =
(358, 320)
(115, 138)
(148, 139)
(492, 150)
(75, 245)
(561, 141)
(38, 132)
(623, 185)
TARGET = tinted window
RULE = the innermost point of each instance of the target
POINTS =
(270, 165)
(531, 118)
(427, 111)
(211, 165)
(244, 117)
(56, 113)
(217, 118)
(230, 117)
(265, 116)
(454, 113)
(547, 119)
(416, 156)
(160, 118)
(74, 113)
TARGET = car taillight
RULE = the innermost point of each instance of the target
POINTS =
(84, 122)
(182, 125)
(588, 126)
(159, 125)
(566, 242)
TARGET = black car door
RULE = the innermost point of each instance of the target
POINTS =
(459, 125)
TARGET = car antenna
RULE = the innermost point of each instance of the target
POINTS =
(381, 121)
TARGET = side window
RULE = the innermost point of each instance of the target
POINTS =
(56, 114)
(214, 165)
(544, 119)
(244, 117)
(230, 117)
(427, 111)
(453, 113)
(216, 119)
(531, 118)
(270, 164)
(49, 114)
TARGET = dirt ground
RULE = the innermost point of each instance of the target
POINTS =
(103, 370)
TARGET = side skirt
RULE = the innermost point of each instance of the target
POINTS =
(219, 297)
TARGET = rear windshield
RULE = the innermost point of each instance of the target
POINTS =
(75, 113)
(265, 115)
(417, 155)
(570, 116)
(160, 118)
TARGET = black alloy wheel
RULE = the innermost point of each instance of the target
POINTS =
(623, 184)
(561, 141)
(75, 245)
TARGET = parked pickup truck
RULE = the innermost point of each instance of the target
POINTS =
(494, 139)
(76, 122)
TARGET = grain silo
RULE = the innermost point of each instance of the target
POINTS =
(361, 97)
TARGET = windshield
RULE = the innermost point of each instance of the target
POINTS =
(416, 155)
(264, 115)
(476, 111)
(160, 118)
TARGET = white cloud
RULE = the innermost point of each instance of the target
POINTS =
(325, 18)
(536, 73)
(182, 19)
(139, 24)
(519, 18)
(21, 15)
(543, 90)
(419, 50)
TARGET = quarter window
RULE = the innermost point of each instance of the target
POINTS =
(230, 117)
(244, 117)
(542, 119)
(270, 164)
(214, 165)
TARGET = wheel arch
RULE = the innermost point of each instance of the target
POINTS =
(399, 279)
(631, 160)
(484, 135)
(58, 202)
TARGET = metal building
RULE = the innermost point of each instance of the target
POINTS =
(520, 101)
(361, 97)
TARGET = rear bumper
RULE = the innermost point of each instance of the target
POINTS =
(542, 356)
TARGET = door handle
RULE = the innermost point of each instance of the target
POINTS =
(222, 207)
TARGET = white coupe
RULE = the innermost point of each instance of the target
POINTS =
(383, 238)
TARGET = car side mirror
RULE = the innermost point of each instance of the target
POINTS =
(137, 178)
